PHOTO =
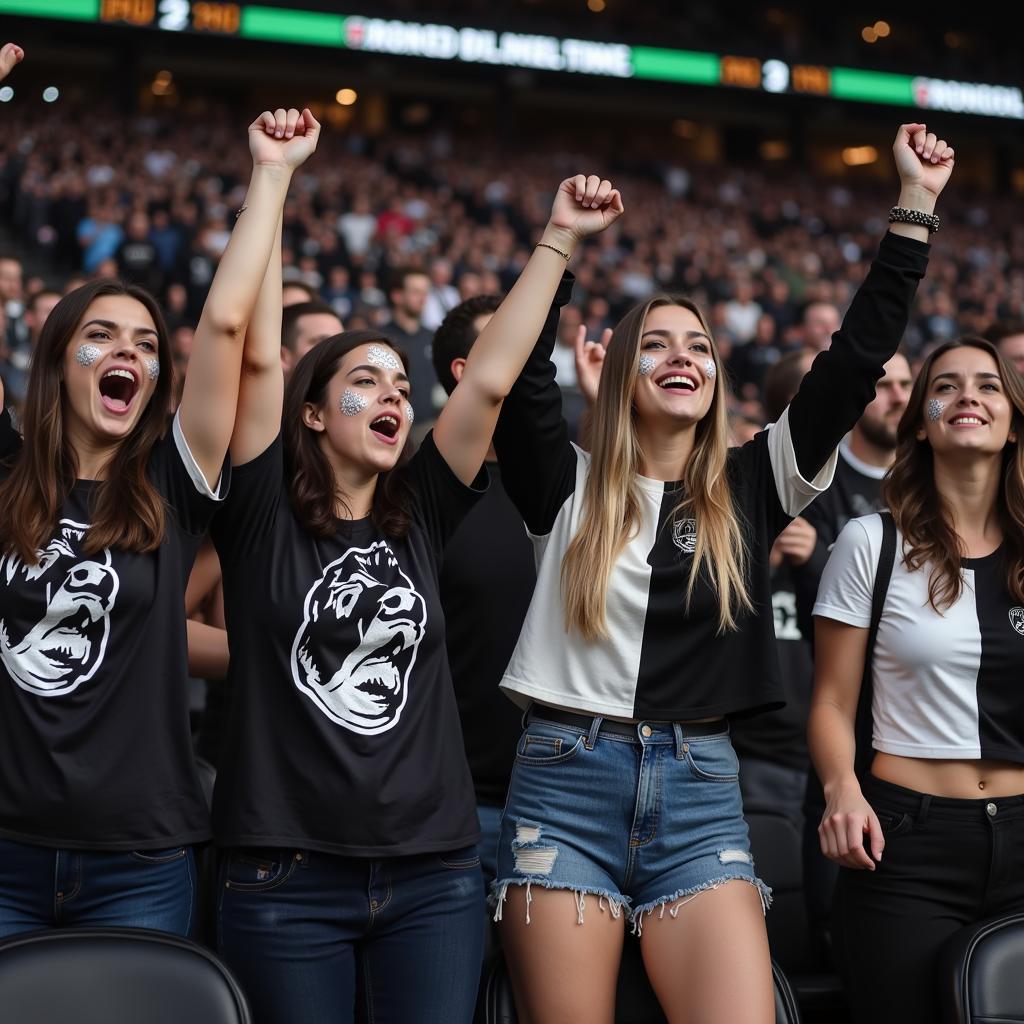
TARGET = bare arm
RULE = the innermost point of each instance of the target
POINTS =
(839, 652)
(261, 391)
(210, 396)
(207, 651)
(583, 206)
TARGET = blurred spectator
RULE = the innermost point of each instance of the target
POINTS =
(138, 259)
(820, 321)
(99, 234)
(409, 293)
(442, 297)
(294, 292)
(303, 326)
(1008, 337)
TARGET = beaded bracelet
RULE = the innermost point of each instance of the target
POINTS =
(565, 256)
(902, 215)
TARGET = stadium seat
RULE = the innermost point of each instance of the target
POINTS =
(106, 975)
(633, 1003)
(981, 973)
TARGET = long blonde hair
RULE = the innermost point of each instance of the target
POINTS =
(611, 507)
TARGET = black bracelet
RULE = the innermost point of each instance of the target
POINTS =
(902, 215)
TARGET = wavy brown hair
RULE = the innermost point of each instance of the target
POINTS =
(918, 509)
(128, 511)
(611, 508)
(313, 488)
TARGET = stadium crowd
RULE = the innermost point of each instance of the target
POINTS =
(319, 315)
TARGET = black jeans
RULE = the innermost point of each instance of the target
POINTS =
(947, 864)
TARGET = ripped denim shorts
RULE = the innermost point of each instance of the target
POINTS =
(640, 818)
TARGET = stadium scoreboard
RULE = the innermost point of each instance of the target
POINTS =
(469, 45)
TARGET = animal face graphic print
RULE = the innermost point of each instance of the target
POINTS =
(58, 639)
(363, 623)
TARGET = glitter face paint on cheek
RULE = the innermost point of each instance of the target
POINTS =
(410, 415)
(935, 409)
(646, 365)
(377, 356)
(87, 355)
(352, 404)
(153, 368)
(710, 370)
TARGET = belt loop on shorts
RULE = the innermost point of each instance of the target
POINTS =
(926, 803)
(677, 729)
(595, 728)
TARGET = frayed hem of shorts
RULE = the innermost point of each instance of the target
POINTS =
(616, 903)
(683, 896)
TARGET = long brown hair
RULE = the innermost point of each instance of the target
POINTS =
(611, 507)
(312, 485)
(128, 511)
(918, 509)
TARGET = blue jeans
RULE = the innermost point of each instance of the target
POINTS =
(642, 816)
(46, 888)
(324, 939)
(490, 829)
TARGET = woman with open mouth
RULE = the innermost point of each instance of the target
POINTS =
(647, 630)
(343, 795)
(102, 508)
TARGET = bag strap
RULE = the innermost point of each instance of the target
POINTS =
(863, 729)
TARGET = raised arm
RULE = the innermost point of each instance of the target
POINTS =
(842, 380)
(10, 54)
(210, 396)
(583, 206)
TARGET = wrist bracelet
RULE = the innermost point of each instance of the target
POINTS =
(565, 256)
(901, 215)
(240, 211)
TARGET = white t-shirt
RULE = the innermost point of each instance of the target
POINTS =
(944, 686)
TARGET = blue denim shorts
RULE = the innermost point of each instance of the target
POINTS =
(640, 822)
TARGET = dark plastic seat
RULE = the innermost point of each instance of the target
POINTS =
(122, 975)
(639, 1005)
(981, 973)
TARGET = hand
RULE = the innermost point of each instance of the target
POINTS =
(924, 162)
(841, 832)
(10, 54)
(285, 138)
(584, 206)
(797, 541)
(589, 361)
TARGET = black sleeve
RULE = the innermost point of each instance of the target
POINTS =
(841, 382)
(440, 499)
(10, 439)
(538, 462)
(177, 476)
(247, 517)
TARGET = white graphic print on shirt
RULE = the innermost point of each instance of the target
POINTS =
(70, 601)
(1017, 619)
(684, 535)
(363, 622)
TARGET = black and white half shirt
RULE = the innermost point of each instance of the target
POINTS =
(945, 685)
(663, 660)
(95, 741)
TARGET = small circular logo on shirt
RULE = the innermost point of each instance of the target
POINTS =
(1017, 619)
(684, 535)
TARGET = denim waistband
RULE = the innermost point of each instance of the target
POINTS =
(925, 805)
(592, 726)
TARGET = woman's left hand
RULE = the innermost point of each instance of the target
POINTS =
(285, 138)
(923, 160)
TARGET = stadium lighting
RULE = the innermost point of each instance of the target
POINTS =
(684, 129)
(163, 83)
(857, 156)
(597, 6)
(882, 29)
(6, 94)
(774, 149)
(51, 94)
(346, 97)
(868, 34)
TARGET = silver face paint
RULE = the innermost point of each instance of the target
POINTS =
(153, 368)
(87, 355)
(710, 370)
(409, 414)
(935, 409)
(352, 404)
(377, 356)
(646, 365)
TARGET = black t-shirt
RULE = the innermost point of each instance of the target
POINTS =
(96, 750)
(423, 379)
(486, 585)
(342, 732)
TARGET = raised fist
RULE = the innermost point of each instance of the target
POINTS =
(10, 54)
(284, 138)
(585, 206)
(923, 160)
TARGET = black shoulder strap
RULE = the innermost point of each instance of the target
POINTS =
(883, 574)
